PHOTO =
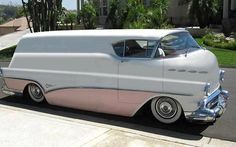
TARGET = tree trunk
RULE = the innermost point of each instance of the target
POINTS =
(42, 13)
(26, 15)
(71, 25)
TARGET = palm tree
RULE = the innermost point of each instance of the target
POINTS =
(71, 18)
(88, 15)
(203, 11)
(43, 13)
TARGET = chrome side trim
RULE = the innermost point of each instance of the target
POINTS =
(83, 87)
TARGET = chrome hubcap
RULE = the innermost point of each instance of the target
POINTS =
(36, 92)
(166, 107)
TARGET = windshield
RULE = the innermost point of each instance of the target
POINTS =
(178, 43)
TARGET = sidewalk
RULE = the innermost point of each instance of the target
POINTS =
(11, 39)
(22, 127)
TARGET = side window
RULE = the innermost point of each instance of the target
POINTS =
(177, 43)
(173, 42)
(119, 48)
(139, 48)
(135, 48)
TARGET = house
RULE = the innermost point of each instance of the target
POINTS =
(178, 14)
(14, 25)
(229, 15)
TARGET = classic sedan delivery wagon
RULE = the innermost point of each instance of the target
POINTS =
(118, 72)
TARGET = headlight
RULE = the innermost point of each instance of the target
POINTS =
(222, 73)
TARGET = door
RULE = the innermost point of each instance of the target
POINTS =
(140, 75)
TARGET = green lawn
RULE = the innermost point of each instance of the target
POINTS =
(226, 58)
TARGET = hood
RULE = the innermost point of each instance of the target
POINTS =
(198, 67)
(205, 62)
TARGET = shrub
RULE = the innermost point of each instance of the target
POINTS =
(219, 41)
(7, 53)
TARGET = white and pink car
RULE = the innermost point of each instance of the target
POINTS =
(118, 72)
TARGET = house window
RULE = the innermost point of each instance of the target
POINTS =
(103, 8)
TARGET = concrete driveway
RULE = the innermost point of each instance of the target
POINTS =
(11, 39)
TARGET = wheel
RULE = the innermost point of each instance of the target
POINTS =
(166, 109)
(35, 93)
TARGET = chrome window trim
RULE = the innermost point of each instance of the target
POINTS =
(136, 58)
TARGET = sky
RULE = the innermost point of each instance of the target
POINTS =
(68, 4)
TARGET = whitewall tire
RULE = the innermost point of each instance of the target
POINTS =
(166, 109)
(35, 93)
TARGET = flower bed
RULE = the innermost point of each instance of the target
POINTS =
(219, 41)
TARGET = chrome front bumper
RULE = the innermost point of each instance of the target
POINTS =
(210, 108)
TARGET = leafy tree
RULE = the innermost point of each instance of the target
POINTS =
(1, 20)
(203, 10)
(117, 15)
(9, 12)
(70, 18)
(19, 12)
(217, 19)
(88, 15)
(136, 15)
(157, 14)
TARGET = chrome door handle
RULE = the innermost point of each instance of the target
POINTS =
(122, 61)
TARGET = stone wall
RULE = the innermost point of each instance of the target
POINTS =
(7, 30)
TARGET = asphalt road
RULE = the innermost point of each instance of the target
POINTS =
(223, 128)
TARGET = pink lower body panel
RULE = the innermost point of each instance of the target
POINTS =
(16, 84)
(124, 103)
(112, 101)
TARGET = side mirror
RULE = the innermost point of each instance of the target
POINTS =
(161, 52)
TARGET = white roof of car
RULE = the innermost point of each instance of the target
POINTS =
(155, 33)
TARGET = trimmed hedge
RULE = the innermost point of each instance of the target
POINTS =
(219, 41)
